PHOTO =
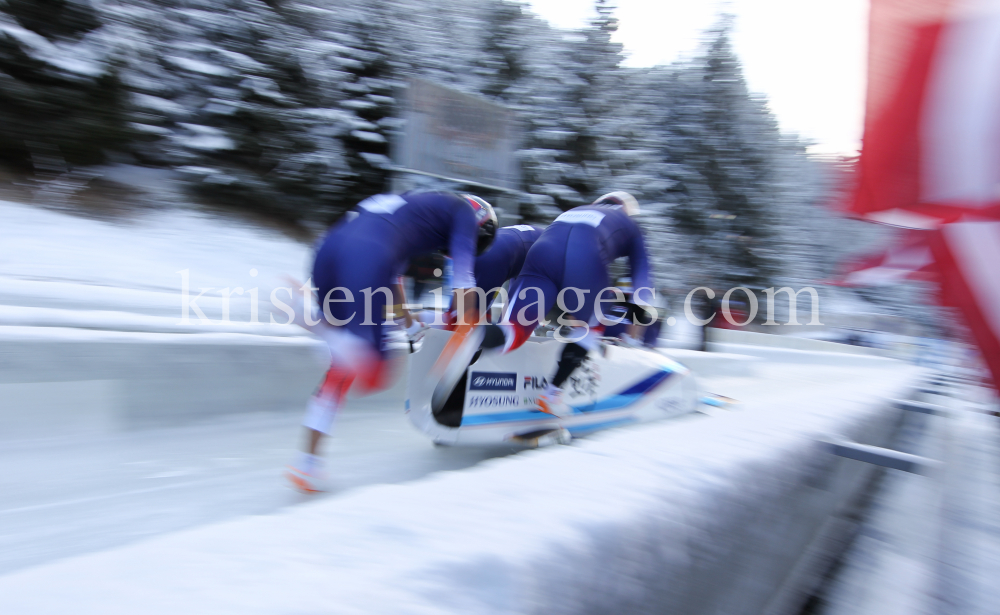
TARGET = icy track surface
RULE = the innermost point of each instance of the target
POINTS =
(584, 528)
(69, 496)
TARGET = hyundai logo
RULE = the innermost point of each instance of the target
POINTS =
(493, 381)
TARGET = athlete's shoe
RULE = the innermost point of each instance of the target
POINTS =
(551, 402)
(306, 474)
(301, 481)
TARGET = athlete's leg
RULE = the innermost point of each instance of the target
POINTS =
(572, 357)
(586, 273)
(533, 293)
(532, 297)
(353, 333)
(321, 411)
(365, 269)
(325, 404)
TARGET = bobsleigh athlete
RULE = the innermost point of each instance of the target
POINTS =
(355, 273)
(502, 262)
(505, 258)
(573, 253)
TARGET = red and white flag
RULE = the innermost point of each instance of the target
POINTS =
(931, 151)
(968, 261)
(912, 259)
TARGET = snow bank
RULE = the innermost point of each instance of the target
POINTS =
(696, 516)
(92, 323)
(800, 357)
(95, 264)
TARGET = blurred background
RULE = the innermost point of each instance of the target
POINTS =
(286, 114)
(164, 163)
(284, 111)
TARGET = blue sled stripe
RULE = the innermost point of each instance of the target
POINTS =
(582, 429)
(626, 398)
(648, 384)
(505, 417)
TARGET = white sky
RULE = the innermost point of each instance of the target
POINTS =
(807, 56)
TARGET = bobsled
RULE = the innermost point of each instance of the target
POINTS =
(494, 402)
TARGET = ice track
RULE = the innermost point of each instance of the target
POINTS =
(67, 496)
(669, 515)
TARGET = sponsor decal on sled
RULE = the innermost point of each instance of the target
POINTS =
(535, 383)
(493, 381)
(493, 401)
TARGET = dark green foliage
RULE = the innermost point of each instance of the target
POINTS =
(368, 95)
(55, 18)
(503, 62)
(286, 109)
(54, 103)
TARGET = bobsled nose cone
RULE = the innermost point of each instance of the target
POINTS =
(455, 367)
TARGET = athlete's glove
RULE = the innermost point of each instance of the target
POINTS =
(630, 341)
(416, 330)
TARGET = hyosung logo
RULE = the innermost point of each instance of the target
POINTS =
(493, 381)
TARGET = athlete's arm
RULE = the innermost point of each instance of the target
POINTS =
(462, 246)
(399, 303)
(466, 300)
(462, 249)
(638, 260)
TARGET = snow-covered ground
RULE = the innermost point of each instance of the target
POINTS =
(52, 260)
(931, 544)
(71, 495)
(623, 518)
(703, 513)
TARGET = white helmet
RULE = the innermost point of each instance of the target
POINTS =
(626, 200)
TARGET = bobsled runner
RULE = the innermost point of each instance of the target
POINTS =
(494, 401)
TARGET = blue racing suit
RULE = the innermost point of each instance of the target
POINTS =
(575, 252)
(367, 251)
(504, 259)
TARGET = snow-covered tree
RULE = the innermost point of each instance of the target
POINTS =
(502, 63)
(368, 97)
(726, 140)
(286, 108)
(61, 99)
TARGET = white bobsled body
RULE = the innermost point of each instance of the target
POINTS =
(495, 402)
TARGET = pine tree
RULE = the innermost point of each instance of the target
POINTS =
(728, 139)
(502, 63)
(566, 101)
(285, 108)
(368, 99)
(242, 115)
(545, 114)
(61, 97)
(595, 60)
